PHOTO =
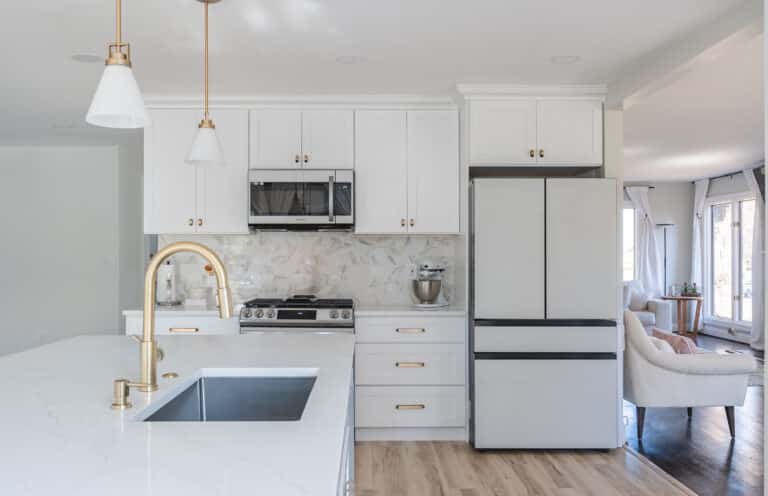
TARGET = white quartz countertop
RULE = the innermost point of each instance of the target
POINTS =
(60, 436)
(408, 311)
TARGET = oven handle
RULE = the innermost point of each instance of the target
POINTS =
(331, 180)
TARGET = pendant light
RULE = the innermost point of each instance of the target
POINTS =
(206, 149)
(118, 102)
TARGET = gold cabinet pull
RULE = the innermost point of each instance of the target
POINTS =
(410, 330)
(402, 222)
(413, 222)
(533, 153)
(306, 158)
(191, 222)
(184, 330)
(200, 222)
(410, 365)
(297, 158)
(541, 153)
(410, 406)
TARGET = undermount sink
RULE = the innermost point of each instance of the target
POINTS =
(238, 399)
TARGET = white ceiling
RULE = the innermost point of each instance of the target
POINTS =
(291, 46)
(706, 122)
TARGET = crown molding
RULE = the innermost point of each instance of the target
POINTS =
(473, 91)
(356, 101)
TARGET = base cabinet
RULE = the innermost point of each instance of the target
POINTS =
(183, 323)
(545, 404)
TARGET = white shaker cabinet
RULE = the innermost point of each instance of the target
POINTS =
(276, 139)
(536, 132)
(381, 171)
(570, 132)
(503, 132)
(296, 139)
(180, 198)
(407, 171)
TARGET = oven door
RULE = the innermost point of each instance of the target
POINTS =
(312, 198)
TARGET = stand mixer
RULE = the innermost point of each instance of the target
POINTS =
(427, 284)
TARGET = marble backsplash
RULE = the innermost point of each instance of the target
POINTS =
(375, 270)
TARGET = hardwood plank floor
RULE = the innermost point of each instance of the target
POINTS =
(455, 469)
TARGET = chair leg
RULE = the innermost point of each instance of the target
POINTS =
(729, 414)
(690, 412)
(640, 421)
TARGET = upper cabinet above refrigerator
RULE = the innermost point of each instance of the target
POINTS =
(536, 132)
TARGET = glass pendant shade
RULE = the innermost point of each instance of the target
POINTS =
(118, 102)
(206, 149)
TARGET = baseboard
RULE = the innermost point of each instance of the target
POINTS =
(412, 434)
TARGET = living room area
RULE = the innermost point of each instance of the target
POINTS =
(693, 267)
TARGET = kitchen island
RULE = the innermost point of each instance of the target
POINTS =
(60, 435)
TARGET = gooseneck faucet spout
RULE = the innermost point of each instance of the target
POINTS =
(148, 343)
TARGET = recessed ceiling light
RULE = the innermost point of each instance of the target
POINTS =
(350, 59)
(565, 59)
(88, 58)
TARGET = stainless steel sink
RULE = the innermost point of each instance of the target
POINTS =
(238, 399)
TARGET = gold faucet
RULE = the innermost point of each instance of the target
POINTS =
(148, 343)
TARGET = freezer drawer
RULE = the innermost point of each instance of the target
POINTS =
(546, 339)
(548, 404)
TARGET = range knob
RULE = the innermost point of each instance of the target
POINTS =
(270, 313)
(346, 314)
(259, 313)
(334, 314)
(247, 313)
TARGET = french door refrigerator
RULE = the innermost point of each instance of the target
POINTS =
(544, 303)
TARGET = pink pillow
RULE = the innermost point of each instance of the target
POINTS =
(681, 344)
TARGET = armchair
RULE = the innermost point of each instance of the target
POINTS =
(654, 377)
(652, 312)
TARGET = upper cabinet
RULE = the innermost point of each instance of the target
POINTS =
(407, 172)
(180, 198)
(536, 131)
(291, 139)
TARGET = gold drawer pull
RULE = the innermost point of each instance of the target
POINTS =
(182, 330)
(410, 365)
(411, 330)
(419, 406)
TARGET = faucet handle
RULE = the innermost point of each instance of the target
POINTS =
(121, 392)
(160, 352)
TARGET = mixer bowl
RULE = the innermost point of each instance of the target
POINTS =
(426, 291)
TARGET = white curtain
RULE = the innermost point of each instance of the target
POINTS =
(649, 267)
(701, 187)
(758, 241)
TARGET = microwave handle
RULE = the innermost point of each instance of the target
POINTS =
(331, 181)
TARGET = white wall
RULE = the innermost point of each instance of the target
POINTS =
(60, 243)
(130, 227)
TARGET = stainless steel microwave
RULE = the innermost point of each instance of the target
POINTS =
(301, 199)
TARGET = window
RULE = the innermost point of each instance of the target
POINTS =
(729, 282)
(628, 244)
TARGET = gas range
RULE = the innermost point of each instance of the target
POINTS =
(297, 313)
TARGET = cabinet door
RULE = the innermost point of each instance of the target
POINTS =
(502, 132)
(381, 171)
(327, 139)
(433, 171)
(222, 190)
(509, 248)
(582, 245)
(169, 182)
(570, 132)
(275, 139)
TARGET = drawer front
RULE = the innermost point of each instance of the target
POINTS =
(409, 364)
(377, 407)
(187, 326)
(546, 404)
(410, 330)
(536, 339)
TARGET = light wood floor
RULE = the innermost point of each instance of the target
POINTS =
(455, 469)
